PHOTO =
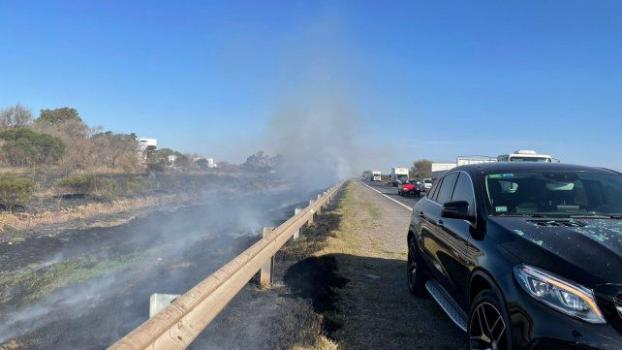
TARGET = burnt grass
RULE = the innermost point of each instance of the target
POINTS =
(175, 250)
(315, 279)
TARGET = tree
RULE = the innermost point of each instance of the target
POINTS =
(24, 147)
(15, 116)
(202, 163)
(263, 162)
(115, 150)
(422, 169)
(183, 162)
(65, 121)
(59, 116)
(66, 124)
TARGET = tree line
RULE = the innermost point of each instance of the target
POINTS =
(59, 143)
(60, 138)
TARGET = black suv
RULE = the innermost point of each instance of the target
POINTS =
(523, 255)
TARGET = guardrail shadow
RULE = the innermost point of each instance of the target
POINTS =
(365, 304)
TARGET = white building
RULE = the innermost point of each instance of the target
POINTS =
(438, 169)
(144, 142)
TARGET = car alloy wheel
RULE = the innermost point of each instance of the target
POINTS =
(414, 271)
(487, 328)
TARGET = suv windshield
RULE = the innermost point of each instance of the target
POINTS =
(558, 193)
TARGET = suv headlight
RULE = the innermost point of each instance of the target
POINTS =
(562, 295)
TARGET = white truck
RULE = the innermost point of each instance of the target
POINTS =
(466, 160)
(376, 175)
(526, 156)
(438, 169)
(399, 175)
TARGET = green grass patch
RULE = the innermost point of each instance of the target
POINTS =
(30, 285)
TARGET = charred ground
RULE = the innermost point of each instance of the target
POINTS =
(80, 289)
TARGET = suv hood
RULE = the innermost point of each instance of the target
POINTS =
(592, 249)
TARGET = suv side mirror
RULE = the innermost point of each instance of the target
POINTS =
(457, 210)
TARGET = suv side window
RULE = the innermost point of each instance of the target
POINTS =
(447, 188)
(464, 191)
(435, 187)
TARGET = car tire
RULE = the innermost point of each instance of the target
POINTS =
(415, 270)
(489, 324)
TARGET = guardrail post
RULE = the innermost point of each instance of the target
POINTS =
(312, 211)
(265, 274)
(297, 233)
(319, 208)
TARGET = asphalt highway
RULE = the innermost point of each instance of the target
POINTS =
(391, 192)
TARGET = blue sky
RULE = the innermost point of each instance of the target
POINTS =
(422, 79)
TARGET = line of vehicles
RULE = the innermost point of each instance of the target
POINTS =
(400, 176)
(440, 168)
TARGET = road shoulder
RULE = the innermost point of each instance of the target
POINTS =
(374, 308)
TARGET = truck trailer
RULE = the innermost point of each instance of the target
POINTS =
(526, 155)
(399, 175)
(376, 175)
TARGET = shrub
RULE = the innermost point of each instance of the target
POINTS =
(81, 183)
(24, 147)
(15, 190)
(92, 184)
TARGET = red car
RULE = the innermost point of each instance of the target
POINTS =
(411, 187)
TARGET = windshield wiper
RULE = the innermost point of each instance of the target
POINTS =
(598, 216)
(523, 215)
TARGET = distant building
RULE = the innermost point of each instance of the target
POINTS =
(172, 158)
(144, 143)
(211, 164)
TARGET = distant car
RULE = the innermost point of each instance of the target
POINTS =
(427, 184)
(410, 188)
(523, 255)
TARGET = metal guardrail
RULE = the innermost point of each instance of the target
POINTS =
(178, 324)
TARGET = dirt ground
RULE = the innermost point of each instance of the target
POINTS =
(375, 307)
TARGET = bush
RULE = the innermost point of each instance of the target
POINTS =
(81, 183)
(24, 147)
(92, 184)
(15, 190)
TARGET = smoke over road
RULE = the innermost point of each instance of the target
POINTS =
(316, 124)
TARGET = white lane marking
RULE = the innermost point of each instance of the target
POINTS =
(387, 197)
